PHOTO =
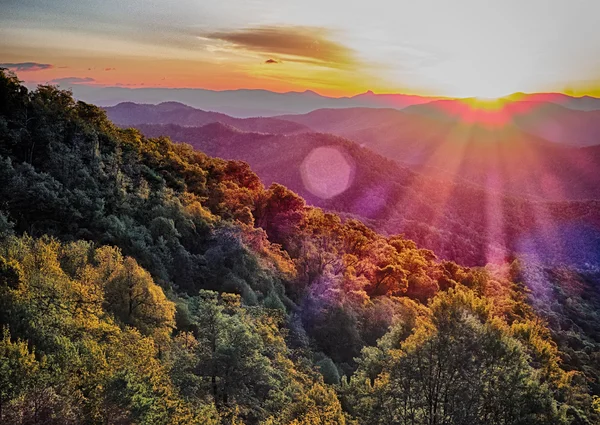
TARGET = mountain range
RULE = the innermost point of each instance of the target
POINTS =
(243, 103)
(436, 140)
(513, 157)
(457, 219)
(472, 191)
(130, 114)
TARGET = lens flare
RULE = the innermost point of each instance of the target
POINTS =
(327, 171)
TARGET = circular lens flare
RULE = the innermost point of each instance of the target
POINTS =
(327, 171)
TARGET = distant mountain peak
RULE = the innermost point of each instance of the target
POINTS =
(173, 103)
(128, 105)
(367, 93)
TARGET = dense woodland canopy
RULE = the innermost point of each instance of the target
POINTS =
(144, 282)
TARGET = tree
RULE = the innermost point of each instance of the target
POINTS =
(461, 366)
(316, 406)
(17, 369)
(330, 373)
(231, 355)
(132, 295)
(280, 212)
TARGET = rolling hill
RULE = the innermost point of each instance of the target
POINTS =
(518, 148)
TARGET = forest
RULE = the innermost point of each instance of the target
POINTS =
(144, 282)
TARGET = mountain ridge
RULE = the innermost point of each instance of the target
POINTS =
(129, 113)
(244, 103)
(433, 139)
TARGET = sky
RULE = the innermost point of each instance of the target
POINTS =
(460, 48)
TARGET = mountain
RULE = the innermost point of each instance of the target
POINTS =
(545, 120)
(145, 282)
(390, 100)
(130, 114)
(347, 120)
(457, 219)
(539, 118)
(501, 148)
(448, 140)
(242, 103)
(582, 103)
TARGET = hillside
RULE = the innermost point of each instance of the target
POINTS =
(499, 150)
(507, 150)
(458, 220)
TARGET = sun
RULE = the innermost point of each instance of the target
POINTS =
(485, 82)
(481, 90)
(484, 90)
(486, 103)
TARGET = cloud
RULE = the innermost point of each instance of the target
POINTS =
(72, 80)
(26, 66)
(110, 69)
(299, 44)
(269, 61)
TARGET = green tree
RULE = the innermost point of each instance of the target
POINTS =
(133, 296)
(18, 366)
(461, 366)
(329, 371)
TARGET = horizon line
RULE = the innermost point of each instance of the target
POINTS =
(311, 91)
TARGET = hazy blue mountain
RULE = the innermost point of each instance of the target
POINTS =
(242, 103)
(131, 114)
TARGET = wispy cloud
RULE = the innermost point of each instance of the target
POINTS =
(297, 44)
(72, 80)
(26, 66)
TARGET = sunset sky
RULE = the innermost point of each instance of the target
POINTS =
(450, 48)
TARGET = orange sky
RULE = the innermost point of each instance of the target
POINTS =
(462, 48)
